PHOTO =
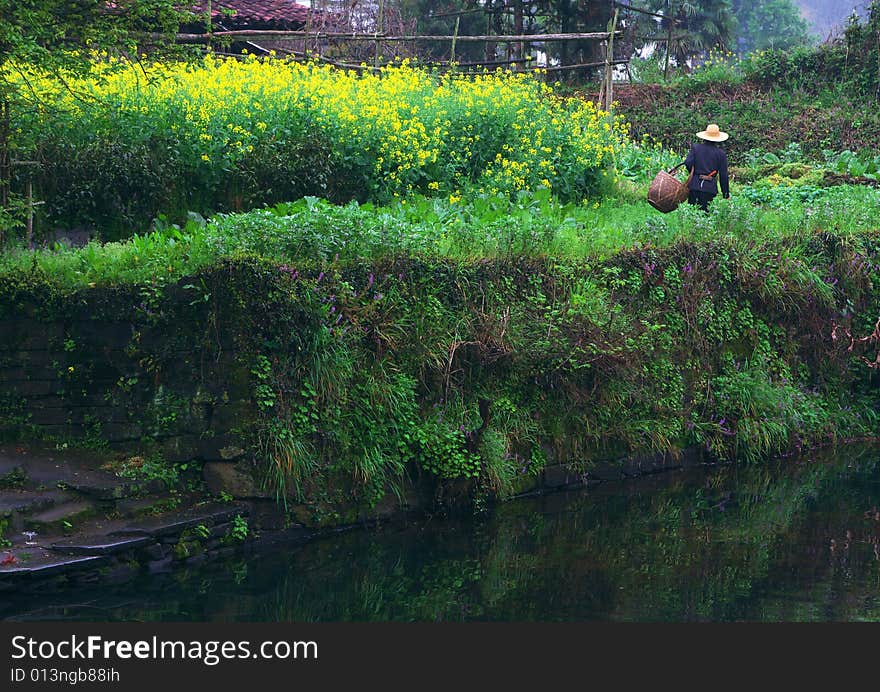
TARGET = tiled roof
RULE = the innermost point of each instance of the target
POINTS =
(243, 14)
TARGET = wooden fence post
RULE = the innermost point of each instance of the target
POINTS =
(379, 29)
(452, 51)
(609, 64)
(308, 30)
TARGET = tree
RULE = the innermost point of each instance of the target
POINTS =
(44, 32)
(439, 18)
(686, 29)
(769, 24)
(519, 17)
(577, 16)
(697, 26)
(60, 37)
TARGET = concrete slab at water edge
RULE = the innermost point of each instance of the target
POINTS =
(36, 561)
(100, 544)
(68, 521)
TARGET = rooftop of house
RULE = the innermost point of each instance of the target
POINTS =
(255, 14)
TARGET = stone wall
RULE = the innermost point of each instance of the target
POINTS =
(116, 382)
(486, 378)
(121, 382)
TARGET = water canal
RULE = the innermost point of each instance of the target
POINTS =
(790, 540)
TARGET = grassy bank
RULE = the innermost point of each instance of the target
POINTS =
(467, 344)
(467, 283)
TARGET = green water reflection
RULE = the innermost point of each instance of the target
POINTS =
(791, 541)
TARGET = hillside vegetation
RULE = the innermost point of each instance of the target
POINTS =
(466, 307)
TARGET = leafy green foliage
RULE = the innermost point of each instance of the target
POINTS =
(239, 530)
(821, 97)
(61, 36)
(470, 339)
(864, 164)
(442, 450)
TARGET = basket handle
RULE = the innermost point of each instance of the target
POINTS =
(675, 168)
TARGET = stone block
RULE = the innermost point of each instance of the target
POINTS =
(117, 432)
(560, 476)
(606, 471)
(49, 416)
(181, 447)
(13, 372)
(98, 334)
(235, 478)
(164, 564)
(220, 448)
(225, 417)
(33, 388)
(100, 545)
(29, 335)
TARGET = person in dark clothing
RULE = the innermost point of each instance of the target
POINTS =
(708, 164)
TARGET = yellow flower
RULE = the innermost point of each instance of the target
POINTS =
(401, 122)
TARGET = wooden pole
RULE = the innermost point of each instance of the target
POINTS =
(668, 45)
(209, 25)
(452, 51)
(488, 48)
(308, 30)
(5, 156)
(518, 26)
(378, 32)
(30, 167)
(30, 220)
(609, 59)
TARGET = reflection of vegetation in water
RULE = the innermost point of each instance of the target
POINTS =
(795, 542)
(709, 552)
(688, 551)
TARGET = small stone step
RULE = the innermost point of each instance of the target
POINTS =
(79, 470)
(16, 507)
(100, 545)
(55, 517)
(141, 507)
(106, 487)
(177, 522)
(30, 501)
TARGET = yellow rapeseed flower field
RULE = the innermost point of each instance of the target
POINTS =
(379, 135)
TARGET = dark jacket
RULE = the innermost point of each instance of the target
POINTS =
(704, 158)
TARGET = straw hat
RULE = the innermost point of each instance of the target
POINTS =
(713, 134)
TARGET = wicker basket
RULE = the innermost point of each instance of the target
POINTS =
(667, 191)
